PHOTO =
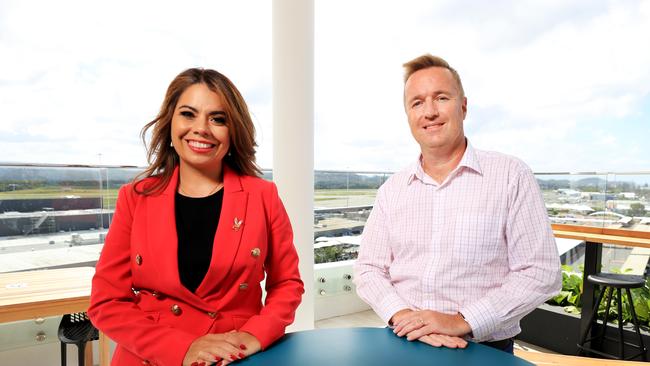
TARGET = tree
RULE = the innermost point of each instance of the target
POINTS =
(636, 209)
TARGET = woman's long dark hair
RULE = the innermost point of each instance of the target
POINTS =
(162, 157)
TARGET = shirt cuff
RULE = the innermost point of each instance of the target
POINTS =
(480, 317)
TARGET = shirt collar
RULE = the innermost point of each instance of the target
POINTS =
(469, 161)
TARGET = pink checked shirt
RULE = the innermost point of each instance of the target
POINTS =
(479, 243)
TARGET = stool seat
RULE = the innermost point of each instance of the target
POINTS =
(617, 280)
(76, 329)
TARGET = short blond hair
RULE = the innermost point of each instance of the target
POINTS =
(426, 61)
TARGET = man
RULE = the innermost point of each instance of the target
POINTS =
(458, 246)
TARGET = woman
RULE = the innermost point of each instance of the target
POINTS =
(178, 280)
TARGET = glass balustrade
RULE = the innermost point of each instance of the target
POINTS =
(54, 216)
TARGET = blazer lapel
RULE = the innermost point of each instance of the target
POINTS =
(161, 231)
(232, 223)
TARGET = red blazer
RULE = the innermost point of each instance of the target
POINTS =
(137, 298)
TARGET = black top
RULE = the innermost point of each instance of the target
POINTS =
(196, 225)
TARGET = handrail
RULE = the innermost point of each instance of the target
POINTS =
(641, 172)
(55, 165)
(602, 231)
(591, 234)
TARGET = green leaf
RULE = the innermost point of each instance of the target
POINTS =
(574, 299)
(574, 283)
(559, 298)
(572, 309)
(641, 309)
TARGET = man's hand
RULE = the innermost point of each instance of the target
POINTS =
(398, 316)
(223, 348)
(416, 324)
(440, 340)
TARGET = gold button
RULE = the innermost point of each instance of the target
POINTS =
(145, 362)
(176, 310)
(243, 286)
(155, 294)
(255, 252)
(138, 259)
(211, 314)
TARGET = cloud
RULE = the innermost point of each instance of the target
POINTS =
(82, 76)
(558, 84)
(536, 74)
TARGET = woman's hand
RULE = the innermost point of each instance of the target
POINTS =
(223, 348)
(246, 342)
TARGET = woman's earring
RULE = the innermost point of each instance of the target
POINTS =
(171, 144)
(229, 153)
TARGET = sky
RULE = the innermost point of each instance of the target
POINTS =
(563, 85)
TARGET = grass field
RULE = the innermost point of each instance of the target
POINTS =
(110, 195)
(343, 196)
(345, 192)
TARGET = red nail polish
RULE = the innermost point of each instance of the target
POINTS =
(232, 357)
(194, 364)
(241, 355)
(242, 346)
(202, 364)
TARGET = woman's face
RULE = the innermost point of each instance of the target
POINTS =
(199, 132)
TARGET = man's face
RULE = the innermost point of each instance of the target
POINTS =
(435, 108)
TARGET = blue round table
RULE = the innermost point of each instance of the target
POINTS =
(371, 347)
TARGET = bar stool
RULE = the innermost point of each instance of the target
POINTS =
(78, 330)
(611, 281)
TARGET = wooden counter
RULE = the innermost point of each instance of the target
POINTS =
(39, 294)
(630, 238)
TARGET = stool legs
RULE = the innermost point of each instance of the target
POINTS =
(583, 337)
(81, 348)
(601, 336)
(620, 324)
(609, 303)
(64, 359)
(636, 324)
